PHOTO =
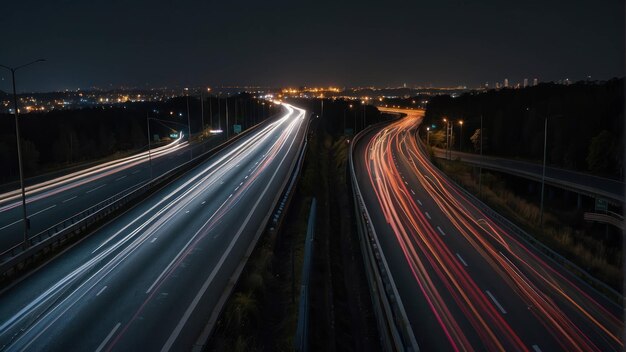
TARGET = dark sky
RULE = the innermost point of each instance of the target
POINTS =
(344, 43)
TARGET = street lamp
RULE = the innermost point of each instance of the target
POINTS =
(189, 124)
(461, 136)
(428, 136)
(543, 170)
(19, 147)
(447, 136)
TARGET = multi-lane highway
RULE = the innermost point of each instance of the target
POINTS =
(151, 279)
(52, 201)
(466, 282)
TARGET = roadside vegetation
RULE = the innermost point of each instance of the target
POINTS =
(589, 246)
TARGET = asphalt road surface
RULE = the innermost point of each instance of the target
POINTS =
(52, 201)
(465, 282)
(149, 279)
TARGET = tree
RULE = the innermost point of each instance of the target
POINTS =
(600, 152)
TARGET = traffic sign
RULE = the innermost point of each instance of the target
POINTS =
(602, 205)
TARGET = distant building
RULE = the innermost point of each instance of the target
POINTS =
(506, 83)
(486, 85)
(535, 82)
(525, 82)
(497, 85)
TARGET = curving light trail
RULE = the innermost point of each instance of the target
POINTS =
(555, 302)
(75, 179)
(262, 154)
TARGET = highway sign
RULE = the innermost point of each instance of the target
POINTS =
(237, 128)
(602, 205)
(173, 135)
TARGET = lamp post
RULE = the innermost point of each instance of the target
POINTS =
(461, 136)
(428, 136)
(189, 124)
(480, 168)
(25, 220)
(210, 109)
(149, 146)
(202, 112)
(543, 169)
(447, 135)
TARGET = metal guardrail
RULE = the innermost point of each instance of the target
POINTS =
(302, 330)
(605, 218)
(395, 330)
(579, 273)
(57, 234)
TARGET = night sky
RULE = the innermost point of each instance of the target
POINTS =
(114, 43)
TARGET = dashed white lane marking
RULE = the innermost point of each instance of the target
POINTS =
(93, 189)
(427, 215)
(120, 178)
(536, 348)
(68, 199)
(136, 172)
(441, 231)
(106, 340)
(203, 202)
(154, 239)
(41, 211)
(187, 212)
(101, 290)
(412, 191)
(461, 259)
(241, 183)
(419, 202)
(495, 301)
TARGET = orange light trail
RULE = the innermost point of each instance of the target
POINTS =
(548, 294)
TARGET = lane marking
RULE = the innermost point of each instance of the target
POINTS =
(154, 239)
(427, 215)
(91, 190)
(496, 302)
(419, 202)
(101, 290)
(203, 202)
(31, 215)
(412, 191)
(41, 211)
(136, 171)
(187, 212)
(536, 348)
(68, 199)
(106, 339)
(119, 178)
(461, 259)
(441, 231)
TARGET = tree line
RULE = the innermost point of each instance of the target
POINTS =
(60, 138)
(585, 124)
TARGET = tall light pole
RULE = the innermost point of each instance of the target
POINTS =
(202, 111)
(447, 139)
(210, 109)
(480, 168)
(543, 169)
(149, 146)
(428, 136)
(461, 136)
(189, 124)
(227, 115)
(25, 220)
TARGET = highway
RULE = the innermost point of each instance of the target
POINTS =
(150, 279)
(51, 201)
(466, 282)
(573, 180)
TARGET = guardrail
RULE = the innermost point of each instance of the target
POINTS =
(56, 235)
(579, 273)
(302, 330)
(610, 219)
(394, 327)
